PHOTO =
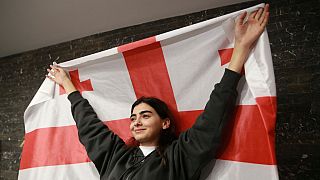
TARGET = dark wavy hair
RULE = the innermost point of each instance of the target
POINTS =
(167, 136)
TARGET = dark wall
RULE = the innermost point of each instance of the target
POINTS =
(294, 39)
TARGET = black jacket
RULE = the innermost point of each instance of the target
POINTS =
(187, 155)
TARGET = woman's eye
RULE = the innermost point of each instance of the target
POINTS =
(132, 119)
(145, 116)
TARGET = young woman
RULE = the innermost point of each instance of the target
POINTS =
(161, 155)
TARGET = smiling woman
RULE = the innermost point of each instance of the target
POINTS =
(162, 155)
(146, 124)
(153, 124)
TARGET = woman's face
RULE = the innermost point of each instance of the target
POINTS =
(146, 125)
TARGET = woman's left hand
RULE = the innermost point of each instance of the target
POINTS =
(246, 33)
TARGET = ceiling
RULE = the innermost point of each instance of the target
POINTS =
(32, 24)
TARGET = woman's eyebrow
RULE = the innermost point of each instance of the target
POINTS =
(145, 111)
(141, 112)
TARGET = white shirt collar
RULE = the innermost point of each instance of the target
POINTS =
(147, 149)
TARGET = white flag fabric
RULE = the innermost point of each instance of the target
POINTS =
(179, 67)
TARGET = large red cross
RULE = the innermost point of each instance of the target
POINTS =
(150, 77)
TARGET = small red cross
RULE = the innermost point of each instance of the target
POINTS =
(80, 86)
(225, 56)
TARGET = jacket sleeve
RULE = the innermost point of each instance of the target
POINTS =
(198, 145)
(99, 141)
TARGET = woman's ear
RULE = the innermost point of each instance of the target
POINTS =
(166, 123)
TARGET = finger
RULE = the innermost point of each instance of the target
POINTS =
(57, 66)
(258, 14)
(59, 69)
(53, 68)
(51, 78)
(51, 72)
(267, 7)
(265, 19)
(252, 14)
(241, 18)
(265, 10)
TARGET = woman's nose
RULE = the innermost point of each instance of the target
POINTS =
(137, 122)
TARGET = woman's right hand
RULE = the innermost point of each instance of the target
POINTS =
(59, 76)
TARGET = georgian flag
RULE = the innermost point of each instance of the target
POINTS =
(179, 67)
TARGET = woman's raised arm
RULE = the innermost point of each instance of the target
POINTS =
(246, 35)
